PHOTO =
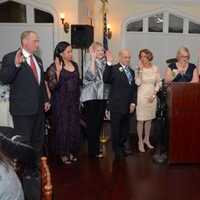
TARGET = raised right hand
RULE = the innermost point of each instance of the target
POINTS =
(58, 64)
(92, 53)
(19, 58)
(140, 65)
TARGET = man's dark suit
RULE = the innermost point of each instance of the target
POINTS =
(122, 94)
(27, 98)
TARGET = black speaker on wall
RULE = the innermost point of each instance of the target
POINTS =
(82, 36)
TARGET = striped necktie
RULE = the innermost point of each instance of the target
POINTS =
(33, 67)
(128, 74)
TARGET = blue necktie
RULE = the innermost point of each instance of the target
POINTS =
(128, 74)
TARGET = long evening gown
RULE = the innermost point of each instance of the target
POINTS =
(66, 115)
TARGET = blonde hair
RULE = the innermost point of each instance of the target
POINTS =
(95, 45)
(25, 34)
(185, 49)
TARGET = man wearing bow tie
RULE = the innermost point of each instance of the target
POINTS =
(28, 100)
(122, 99)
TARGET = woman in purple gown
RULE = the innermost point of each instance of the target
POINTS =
(64, 85)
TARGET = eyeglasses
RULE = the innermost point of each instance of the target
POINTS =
(187, 57)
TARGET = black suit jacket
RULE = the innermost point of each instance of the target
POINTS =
(122, 94)
(27, 96)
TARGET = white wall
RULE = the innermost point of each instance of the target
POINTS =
(86, 11)
(69, 8)
(120, 10)
(9, 39)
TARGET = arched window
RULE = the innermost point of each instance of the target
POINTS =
(194, 28)
(156, 23)
(42, 16)
(135, 26)
(12, 12)
(166, 22)
(175, 24)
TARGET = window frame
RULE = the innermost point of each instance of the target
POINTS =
(166, 14)
(19, 4)
(30, 18)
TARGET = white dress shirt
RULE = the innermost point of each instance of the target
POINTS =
(124, 66)
(27, 55)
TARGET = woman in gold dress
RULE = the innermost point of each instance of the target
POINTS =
(148, 80)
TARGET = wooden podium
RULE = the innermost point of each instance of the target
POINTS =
(184, 122)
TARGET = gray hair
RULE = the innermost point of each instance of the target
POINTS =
(25, 34)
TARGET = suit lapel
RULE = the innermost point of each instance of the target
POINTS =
(39, 63)
(123, 73)
(29, 68)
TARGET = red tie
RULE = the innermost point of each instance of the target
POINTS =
(33, 67)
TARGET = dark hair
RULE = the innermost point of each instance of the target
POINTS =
(60, 47)
(147, 52)
(50, 75)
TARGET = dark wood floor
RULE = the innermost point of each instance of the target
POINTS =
(135, 178)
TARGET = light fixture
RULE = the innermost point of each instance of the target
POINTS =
(109, 32)
(65, 24)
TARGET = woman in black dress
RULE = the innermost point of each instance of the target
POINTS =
(182, 70)
(64, 85)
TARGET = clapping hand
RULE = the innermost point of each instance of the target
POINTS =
(19, 58)
(181, 68)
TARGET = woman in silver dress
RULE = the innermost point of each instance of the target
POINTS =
(94, 96)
